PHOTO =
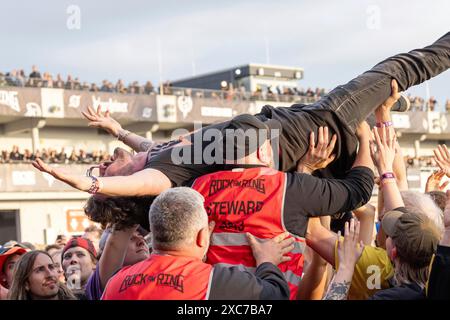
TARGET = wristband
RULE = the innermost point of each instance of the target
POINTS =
(385, 123)
(123, 134)
(95, 185)
(387, 175)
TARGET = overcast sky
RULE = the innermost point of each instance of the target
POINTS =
(332, 40)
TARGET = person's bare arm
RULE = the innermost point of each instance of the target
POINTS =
(363, 158)
(147, 182)
(97, 119)
(114, 253)
(366, 218)
(383, 115)
(314, 281)
(383, 153)
(322, 240)
(349, 251)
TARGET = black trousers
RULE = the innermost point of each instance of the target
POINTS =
(348, 105)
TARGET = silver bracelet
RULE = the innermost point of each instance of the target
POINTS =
(123, 134)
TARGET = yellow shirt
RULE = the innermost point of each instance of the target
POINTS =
(372, 272)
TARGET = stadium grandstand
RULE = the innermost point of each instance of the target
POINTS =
(40, 117)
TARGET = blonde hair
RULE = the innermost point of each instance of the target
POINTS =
(424, 204)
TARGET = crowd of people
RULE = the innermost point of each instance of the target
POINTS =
(51, 155)
(276, 217)
(18, 78)
(430, 104)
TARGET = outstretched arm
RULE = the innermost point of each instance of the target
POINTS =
(383, 116)
(147, 182)
(97, 119)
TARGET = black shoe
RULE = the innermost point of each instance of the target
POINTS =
(402, 104)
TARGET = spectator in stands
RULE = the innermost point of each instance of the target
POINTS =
(70, 84)
(94, 234)
(21, 76)
(52, 157)
(35, 74)
(13, 80)
(79, 259)
(62, 156)
(104, 156)
(59, 82)
(96, 156)
(83, 157)
(431, 104)
(135, 88)
(104, 87)
(28, 156)
(47, 80)
(3, 82)
(5, 156)
(76, 84)
(120, 87)
(15, 154)
(73, 157)
(36, 278)
(85, 86)
(94, 88)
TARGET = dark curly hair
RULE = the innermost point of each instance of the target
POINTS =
(123, 212)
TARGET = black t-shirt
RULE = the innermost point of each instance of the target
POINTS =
(183, 163)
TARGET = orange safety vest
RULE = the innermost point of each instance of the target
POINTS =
(248, 200)
(161, 277)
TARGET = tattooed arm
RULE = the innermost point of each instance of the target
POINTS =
(103, 120)
(349, 251)
(134, 141)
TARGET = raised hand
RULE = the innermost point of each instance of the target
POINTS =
(97, 119)
(318, 156)
(383, 149)
(392, 99)
(442, 157)
(434, 181)
(272, 250)
(350, 248)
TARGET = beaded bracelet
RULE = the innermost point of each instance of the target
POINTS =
(95, 186)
